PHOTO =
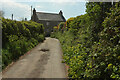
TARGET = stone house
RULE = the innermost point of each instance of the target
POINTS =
(49, 20)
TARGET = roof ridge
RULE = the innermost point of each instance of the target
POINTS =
(47, 13)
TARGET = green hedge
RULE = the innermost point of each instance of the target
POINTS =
(92, 49)
(18, 37)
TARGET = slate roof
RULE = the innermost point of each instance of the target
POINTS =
(49, 16)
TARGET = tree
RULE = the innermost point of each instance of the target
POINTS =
(97, 13)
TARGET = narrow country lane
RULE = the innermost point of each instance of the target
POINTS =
(44, 61)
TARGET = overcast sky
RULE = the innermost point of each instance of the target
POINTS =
(22, 8)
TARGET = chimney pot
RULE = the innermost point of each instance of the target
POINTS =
(61, 13)
(34, 11)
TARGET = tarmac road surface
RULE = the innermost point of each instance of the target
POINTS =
(44, 61)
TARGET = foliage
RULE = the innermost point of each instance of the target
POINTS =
(55, 28)
(97, 12)
(68, 21)
(61, 26)
(91, 46)
(18, 37)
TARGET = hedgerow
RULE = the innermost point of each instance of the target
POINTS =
(91, 46)
(18, 37)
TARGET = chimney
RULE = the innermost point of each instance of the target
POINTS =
(61, 13)
(34, 11)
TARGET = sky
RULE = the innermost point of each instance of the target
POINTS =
(22, 9)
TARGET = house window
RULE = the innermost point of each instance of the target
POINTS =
(47, 23)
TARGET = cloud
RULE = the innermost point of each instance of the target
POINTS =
(38, 6)
(58, 1)
(62, 1)
(19, 10)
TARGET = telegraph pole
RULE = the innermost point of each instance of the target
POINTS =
(12, 16)
(31, 11)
